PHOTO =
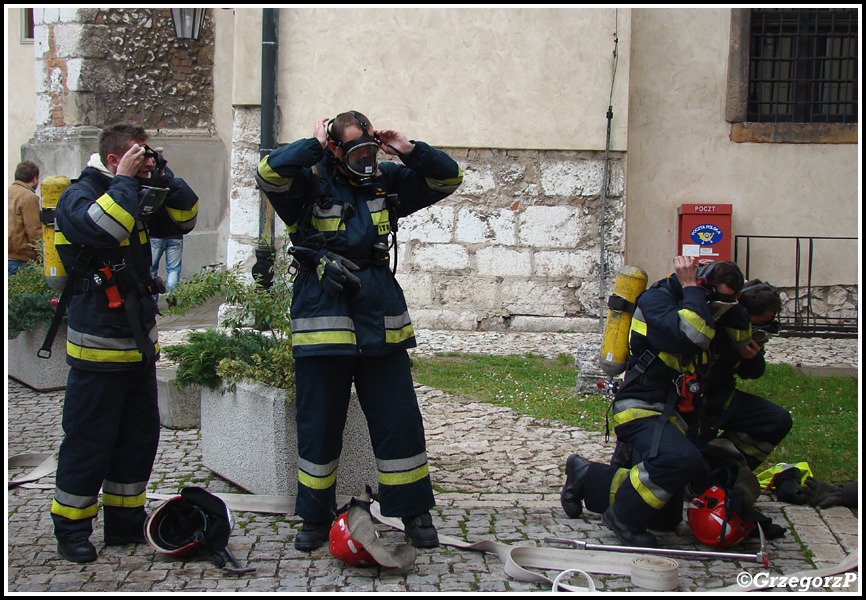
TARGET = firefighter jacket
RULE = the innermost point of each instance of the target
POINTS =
(97, 225)
(313, 197)
(726, 361)
(673, 328)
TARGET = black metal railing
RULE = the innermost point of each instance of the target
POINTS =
(803, 322)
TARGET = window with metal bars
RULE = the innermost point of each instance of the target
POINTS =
(803, 65)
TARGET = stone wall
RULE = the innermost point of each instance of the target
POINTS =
(99, 66)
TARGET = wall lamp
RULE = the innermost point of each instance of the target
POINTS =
(187, 22)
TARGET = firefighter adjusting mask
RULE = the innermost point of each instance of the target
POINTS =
(152, 190)
(719, 302)
(360, 154)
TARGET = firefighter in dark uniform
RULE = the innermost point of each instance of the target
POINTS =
(110, 414)
(654, 412)
(754, 424)
(349, 317)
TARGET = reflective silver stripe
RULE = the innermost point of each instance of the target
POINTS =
(629, 403)
(692, 331)
(317, 470)
(759, 448)
(445, 186)
(376, 205)
(72, 500)
(402, 464)
(398, 321)
(124, 489)
(648, 483)
(269, 187)
(335, 212)
(88, 340)
(107, 223)
(323, 323)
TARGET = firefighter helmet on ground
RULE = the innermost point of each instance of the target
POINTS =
(713, 522)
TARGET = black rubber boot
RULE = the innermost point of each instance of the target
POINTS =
(78, 550)
(571, 496)
(420, 531)
(312, 535)
(628, 536)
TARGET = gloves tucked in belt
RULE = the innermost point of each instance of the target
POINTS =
(335, 272)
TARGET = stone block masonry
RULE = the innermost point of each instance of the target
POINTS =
(517, 247)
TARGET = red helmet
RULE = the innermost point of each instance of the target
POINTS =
(344, 548)
(713, 523)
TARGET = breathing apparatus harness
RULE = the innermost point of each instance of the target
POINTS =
(687, 387)
(92, 270)
(359, 160)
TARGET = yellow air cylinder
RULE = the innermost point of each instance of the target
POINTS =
(52, 187)
(630, 282)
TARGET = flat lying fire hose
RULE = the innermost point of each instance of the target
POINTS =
(650, 572)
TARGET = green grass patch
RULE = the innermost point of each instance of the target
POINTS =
(535, 386)
(825, 414)
(824, 409)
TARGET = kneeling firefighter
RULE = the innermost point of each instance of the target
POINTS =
(350, 323)
(110, 415)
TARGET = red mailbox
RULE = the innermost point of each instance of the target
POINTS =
(704, 231)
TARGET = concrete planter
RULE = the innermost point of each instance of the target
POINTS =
(178, 408)
(250, 438)
(40, 374)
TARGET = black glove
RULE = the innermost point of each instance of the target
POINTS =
(788, 488)
(824, 495)
(334, 272)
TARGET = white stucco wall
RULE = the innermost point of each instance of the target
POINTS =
(21, 93)
(516, 78)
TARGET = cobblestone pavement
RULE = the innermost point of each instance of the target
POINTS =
(497, 475)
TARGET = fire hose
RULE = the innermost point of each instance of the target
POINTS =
(647, 567)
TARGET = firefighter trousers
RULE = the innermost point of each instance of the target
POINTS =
(649, 495)
(387, 397)
(754, 424)
(111, 426)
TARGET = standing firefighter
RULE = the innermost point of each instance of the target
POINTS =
(349, 317)
(110, 413)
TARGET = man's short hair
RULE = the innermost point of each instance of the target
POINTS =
(759, 297)
(116, 139)
(727, 273)
(343, 122)
(26, 171)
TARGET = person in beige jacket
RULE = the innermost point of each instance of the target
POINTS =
(24, 226)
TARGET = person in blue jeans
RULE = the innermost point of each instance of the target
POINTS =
(172, 247)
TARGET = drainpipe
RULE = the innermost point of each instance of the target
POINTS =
(265, 251)
(605, 181)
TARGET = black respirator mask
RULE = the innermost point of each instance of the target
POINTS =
(360, 154)
(152, 190)
(719, 303)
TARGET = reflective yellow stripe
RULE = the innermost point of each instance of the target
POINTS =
(618, 478)
(395, 336)
(317, 483)
(185, 218)
(76, 514)
(404, 477)
(60, 239)
(329, 224)
(100, 355)
(123, 501)
(117, 212)
(323, 337)
(446, 186)
(633, 414)
(645, 493)
(272, 177)
(696, 329)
